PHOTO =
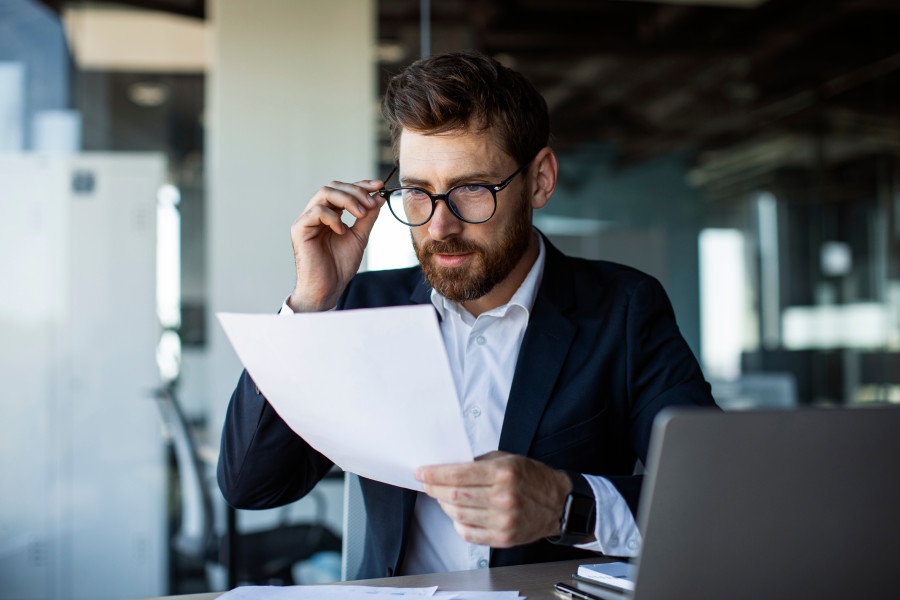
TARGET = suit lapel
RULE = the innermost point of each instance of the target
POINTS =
(543, 353)
(421, 293)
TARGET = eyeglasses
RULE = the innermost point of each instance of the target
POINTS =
(469, 202)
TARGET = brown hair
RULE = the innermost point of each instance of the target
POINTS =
(462, 90)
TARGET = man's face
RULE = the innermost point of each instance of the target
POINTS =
(465, 261)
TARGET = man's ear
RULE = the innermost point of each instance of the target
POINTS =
(542, 174)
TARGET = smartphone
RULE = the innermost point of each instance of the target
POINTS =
(587, 591)
(590, 591)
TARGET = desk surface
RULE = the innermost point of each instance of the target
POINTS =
(533, 581)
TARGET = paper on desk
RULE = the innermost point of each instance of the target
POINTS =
(328, 592)
(370, 389)
(324, 592)
(476, 595)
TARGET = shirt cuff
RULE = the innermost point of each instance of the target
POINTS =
(286, 308)
(615, 531)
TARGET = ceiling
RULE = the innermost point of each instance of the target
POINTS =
(694, 76)
(656, 78)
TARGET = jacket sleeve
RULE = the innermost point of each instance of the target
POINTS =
(262, 462)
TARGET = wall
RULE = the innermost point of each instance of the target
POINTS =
(291, 106)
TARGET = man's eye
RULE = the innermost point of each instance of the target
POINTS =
(469, 189)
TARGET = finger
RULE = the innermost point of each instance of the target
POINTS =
(316, 216)
(462, 474)
(472, 534)
(343, 199)
(363, 191)
(476, 517)
(484, 536)
(363, 227)
(338, 197)
(493, 455)
(471, 496)
(371, 186)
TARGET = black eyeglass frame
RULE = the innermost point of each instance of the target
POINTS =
(491, 187)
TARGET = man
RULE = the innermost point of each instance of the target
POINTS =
(560, 363)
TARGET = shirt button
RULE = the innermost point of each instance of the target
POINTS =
(632, 545)
(481, 340)
(476, 412)
(614, 541)
(482, 564)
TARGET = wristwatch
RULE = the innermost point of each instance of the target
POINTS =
(578, 517)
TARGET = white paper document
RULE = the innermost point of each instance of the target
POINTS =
(477, 595)
(370, 389)
(324, 592)
(342, 592)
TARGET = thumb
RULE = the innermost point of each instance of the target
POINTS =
(492, 455)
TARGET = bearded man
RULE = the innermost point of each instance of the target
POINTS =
(560, 363)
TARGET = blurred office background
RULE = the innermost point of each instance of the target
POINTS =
(153, 154)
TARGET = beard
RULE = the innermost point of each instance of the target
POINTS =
(490, 264)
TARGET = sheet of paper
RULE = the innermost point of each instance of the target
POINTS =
(370, 389)
(324, 592)
(477, 595)
(328, 592)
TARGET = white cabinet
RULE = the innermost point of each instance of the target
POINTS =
(82, 486)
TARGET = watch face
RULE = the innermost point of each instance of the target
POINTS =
(577, 523)
(580, 516)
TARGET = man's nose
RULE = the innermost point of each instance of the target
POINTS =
(443, 223)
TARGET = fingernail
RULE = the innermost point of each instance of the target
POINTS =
(419, 475)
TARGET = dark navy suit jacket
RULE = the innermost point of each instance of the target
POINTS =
(601, 356)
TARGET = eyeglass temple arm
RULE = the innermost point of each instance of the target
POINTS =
(386, 179)
(508, 180)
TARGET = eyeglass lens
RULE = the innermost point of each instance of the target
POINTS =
(474, 203)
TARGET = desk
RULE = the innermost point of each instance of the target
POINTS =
(533, 581)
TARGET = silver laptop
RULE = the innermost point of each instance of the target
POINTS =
(799, 504)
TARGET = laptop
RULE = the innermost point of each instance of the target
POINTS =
(770, 504)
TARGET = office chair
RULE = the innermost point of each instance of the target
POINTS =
(259, 557)
(354, 527)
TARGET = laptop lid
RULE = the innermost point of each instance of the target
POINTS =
(775, 504)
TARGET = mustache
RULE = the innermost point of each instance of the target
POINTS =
(451, 246)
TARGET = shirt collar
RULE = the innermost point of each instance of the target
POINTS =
(523, 297)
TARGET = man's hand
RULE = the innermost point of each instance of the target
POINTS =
(500, 500)
(327, 253)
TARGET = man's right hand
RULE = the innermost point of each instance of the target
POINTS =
(327, 252)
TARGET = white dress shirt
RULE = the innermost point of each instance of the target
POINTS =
(483, 352)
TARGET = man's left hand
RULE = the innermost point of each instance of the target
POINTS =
(500, 499)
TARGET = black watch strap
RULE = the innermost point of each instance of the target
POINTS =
(579, 513)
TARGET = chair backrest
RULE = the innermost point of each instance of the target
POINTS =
(194, 534)
(354, 535)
